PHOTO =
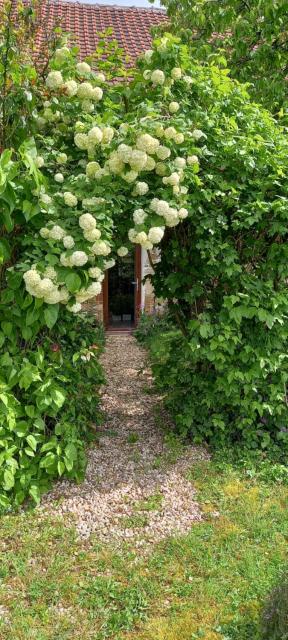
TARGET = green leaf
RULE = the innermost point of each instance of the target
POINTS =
(32, 442)
(51, 315)
(34, 492)
(9, 480)
(73, 282)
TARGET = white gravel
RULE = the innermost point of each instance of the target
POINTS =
(126, 468)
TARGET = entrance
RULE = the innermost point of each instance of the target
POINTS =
(121, 292)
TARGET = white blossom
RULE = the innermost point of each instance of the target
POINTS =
(87, 106)
(192, 160)
(91, 169)
(163, 153)
(130, 176)
(61, 158)
(87, 221)
(44, 232)
(158, 77)
(138, 159)
(92, 234)
(197, 134)
(83, 67)
(173, 179)
(161, 169)
(81, 140)
(54, 80)
(45, 199)
(51, 273)
(147, 143)
(139, 216)
(95, 272)
(61, 54)
(75, 308)
(58, 177)
(78, 258)
(107, 135)
(85, 90)
(132, 234)
(32, 278)
(97, 94)
(141, 237)
(170, 133)
(95, 135)
(179, 138)
(150, 164)
(70, 87)
(176, 73)
(56, 233)
(148, 55)
(39, 162)
(124, 152)
(182, 213)
(68, 242)
(155, 234)
(70, 199)
(180, 163)
(174, 107)
(122, 251)
(100, 248)
(141, 188)
(100, 77)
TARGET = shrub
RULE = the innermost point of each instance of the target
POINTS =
(275, 615)
(151, 325)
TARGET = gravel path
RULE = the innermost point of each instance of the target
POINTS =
(131, 490)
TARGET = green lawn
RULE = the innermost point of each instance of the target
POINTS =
(209, 584)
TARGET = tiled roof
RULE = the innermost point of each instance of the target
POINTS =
(131, 25)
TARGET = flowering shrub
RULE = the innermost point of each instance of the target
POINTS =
(177, 158)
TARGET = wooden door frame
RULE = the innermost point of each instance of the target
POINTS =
(138, 280)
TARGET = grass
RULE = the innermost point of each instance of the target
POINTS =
(210, 584)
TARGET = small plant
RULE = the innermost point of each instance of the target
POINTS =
(153, 503)
(133, 438)
(135, 521)
(275, 615)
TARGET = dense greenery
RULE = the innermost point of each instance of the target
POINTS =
(210, 584)
(275, 617)
(250, 34)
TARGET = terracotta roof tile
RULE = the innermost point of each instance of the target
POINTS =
(131, 25)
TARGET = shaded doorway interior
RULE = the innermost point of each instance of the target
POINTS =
(121, 293)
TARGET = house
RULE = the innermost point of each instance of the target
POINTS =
(124, 295)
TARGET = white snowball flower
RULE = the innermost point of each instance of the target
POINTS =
(122, 251)
(139, 216)
(150, 164)
(147, 245)
(44, 232)
(87, 221)
(92, 202)
(92, 168)
(161, 169)
(141, 188)
(39, 162)
(180, 163)
(116, 165)
(53, 297)
(184, 190)
(81, 141)
(141, 237)
(87, 106)
(95, 272)
(54, 80)
(130, 176)
(83, 67)
(70, 87)
(176, 73)
(163, 153)
(100, 248)
(174, 107)
(32, 278)
(100, 76)
(61, 158)
(124, 152)
(95, 135)
(148, 55)
(176, 190)
(75, 308)
(171, 217)
(160, 131)
(147, 74)
(61, 54)
(162, 208)
(92, 234)
(50, 273)
(97, 94)
(155, 234)
(170, 133)
(58, 177)
(68, 242)
(183, 213)
(179, 138)
(45, 199)
(85, 90)
(56, 233)
(173, 179)
(107, 135)
(124, 127)
(138, 160)
(197, 134)
(44, 287)
(192, 160)
(108, 264)
(132, 234)
(147, 143)
(70, 199)
(78, 258)
(94, 289)
(158, 77)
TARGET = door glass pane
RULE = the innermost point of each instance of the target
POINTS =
(121, 292)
